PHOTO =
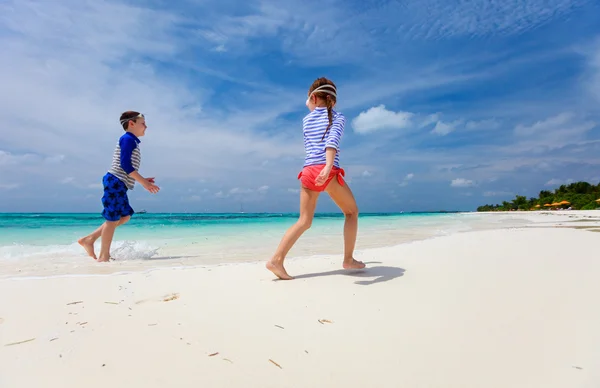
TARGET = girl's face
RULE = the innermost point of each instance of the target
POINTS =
(311, 102)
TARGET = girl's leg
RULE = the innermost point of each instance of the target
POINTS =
(308, 203)
(88, 241)
(342, 196)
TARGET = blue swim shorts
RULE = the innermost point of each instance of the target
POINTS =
(114, 200)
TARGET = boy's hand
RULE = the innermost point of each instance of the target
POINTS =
(150, 186)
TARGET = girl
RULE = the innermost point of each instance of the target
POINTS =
(323, 128)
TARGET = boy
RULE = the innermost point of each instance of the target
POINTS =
(121, 176)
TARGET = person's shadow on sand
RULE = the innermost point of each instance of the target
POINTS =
(379, 273)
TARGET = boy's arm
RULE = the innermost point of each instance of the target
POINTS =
(127, 145)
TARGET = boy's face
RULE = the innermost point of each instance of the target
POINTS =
(138, 127)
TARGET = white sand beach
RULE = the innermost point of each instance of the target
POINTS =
(510, 308)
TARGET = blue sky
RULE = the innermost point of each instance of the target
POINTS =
(449, 104)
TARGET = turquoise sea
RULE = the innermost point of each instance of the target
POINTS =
(45, 242)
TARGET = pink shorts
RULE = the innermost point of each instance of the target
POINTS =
(309, 173)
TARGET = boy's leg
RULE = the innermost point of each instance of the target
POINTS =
(116, 212)
(88, 241)
(108, 231)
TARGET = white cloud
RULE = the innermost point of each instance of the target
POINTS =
(237, 190)
(592, 81)
(441, 128)
(461, 182)
(367, 173)
(294, 191)
(9, 186)
(379, 118)
(406, 179)
(540, 128)
(226, 134)
(66, 180)
(554, 132)
(45, 64)
(28, 159)
(482, 125)
(558, 182)
(497, 193)
(431, 119)
(245, 193)
(475, 18)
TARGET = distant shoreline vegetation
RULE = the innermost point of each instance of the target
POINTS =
(577, 196)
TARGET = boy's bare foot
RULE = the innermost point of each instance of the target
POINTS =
(278, 270)
(88, 245)
(104, 259)
(353, 264)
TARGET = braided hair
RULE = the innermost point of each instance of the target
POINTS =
(326, 90)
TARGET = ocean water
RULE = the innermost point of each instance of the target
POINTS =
(46, 244)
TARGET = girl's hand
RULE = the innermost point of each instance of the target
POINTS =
(323, 175)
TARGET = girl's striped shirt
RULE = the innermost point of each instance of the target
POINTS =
(314, 125)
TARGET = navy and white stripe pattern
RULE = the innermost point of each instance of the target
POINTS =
(126, 159)
(314, 126)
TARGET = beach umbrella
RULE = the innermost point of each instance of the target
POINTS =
(598, 200)
(547, 205)
(537, 205)
(565, 202)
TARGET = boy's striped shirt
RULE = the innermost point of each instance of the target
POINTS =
(126, 159)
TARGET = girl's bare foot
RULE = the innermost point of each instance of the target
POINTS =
(88, 244)
(353, 264)
(278, 270)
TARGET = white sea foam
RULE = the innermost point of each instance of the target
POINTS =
(247, 246)
(125, 250)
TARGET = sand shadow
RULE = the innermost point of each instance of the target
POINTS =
(380, 274)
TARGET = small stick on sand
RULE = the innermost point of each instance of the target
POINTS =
(281, 327)
(111, 302)
(214, 354)
(20, 342)
(276, 364)
(79, 301)
(323, 321)
(171, 297)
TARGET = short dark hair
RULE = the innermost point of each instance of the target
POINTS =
(127, 116)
